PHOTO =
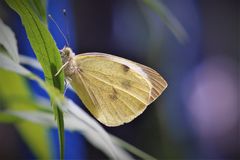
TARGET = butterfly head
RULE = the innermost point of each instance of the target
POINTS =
(66, 54)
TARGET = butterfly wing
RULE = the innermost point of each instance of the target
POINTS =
(115, 90)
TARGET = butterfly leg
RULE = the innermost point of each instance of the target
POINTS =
(63, 66)
(66, 84)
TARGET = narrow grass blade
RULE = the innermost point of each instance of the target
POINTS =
(30, 61)
(9, 65)
(39, 7)
(8, 40)
(132, 149)
(168, 18)
(46, 52)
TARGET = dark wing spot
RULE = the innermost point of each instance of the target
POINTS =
(125, 68)
(113, 96)
(126, 84)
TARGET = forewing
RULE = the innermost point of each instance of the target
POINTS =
(156, 80)
(115, 90)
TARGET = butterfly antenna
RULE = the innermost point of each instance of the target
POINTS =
(66, 24)
(51, 18)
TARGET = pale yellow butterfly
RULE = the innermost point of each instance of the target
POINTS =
(115, 90)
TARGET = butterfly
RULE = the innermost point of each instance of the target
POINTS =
(115, 90)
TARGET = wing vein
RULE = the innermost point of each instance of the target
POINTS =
(107, 75)
(101, 80)
(91, 94)
(126, 105)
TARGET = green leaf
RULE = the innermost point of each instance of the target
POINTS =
(39, 7)
(15, 95)
(8, 40)
(77, 120)
(6, 118)
(46, 52)
(41, 41)
(36, 136)
(82, 123)
(9, 65)
(168, 18)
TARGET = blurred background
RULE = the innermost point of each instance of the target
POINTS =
(197, 116)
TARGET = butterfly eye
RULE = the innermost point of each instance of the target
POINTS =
(67, 52)
(64, 52)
